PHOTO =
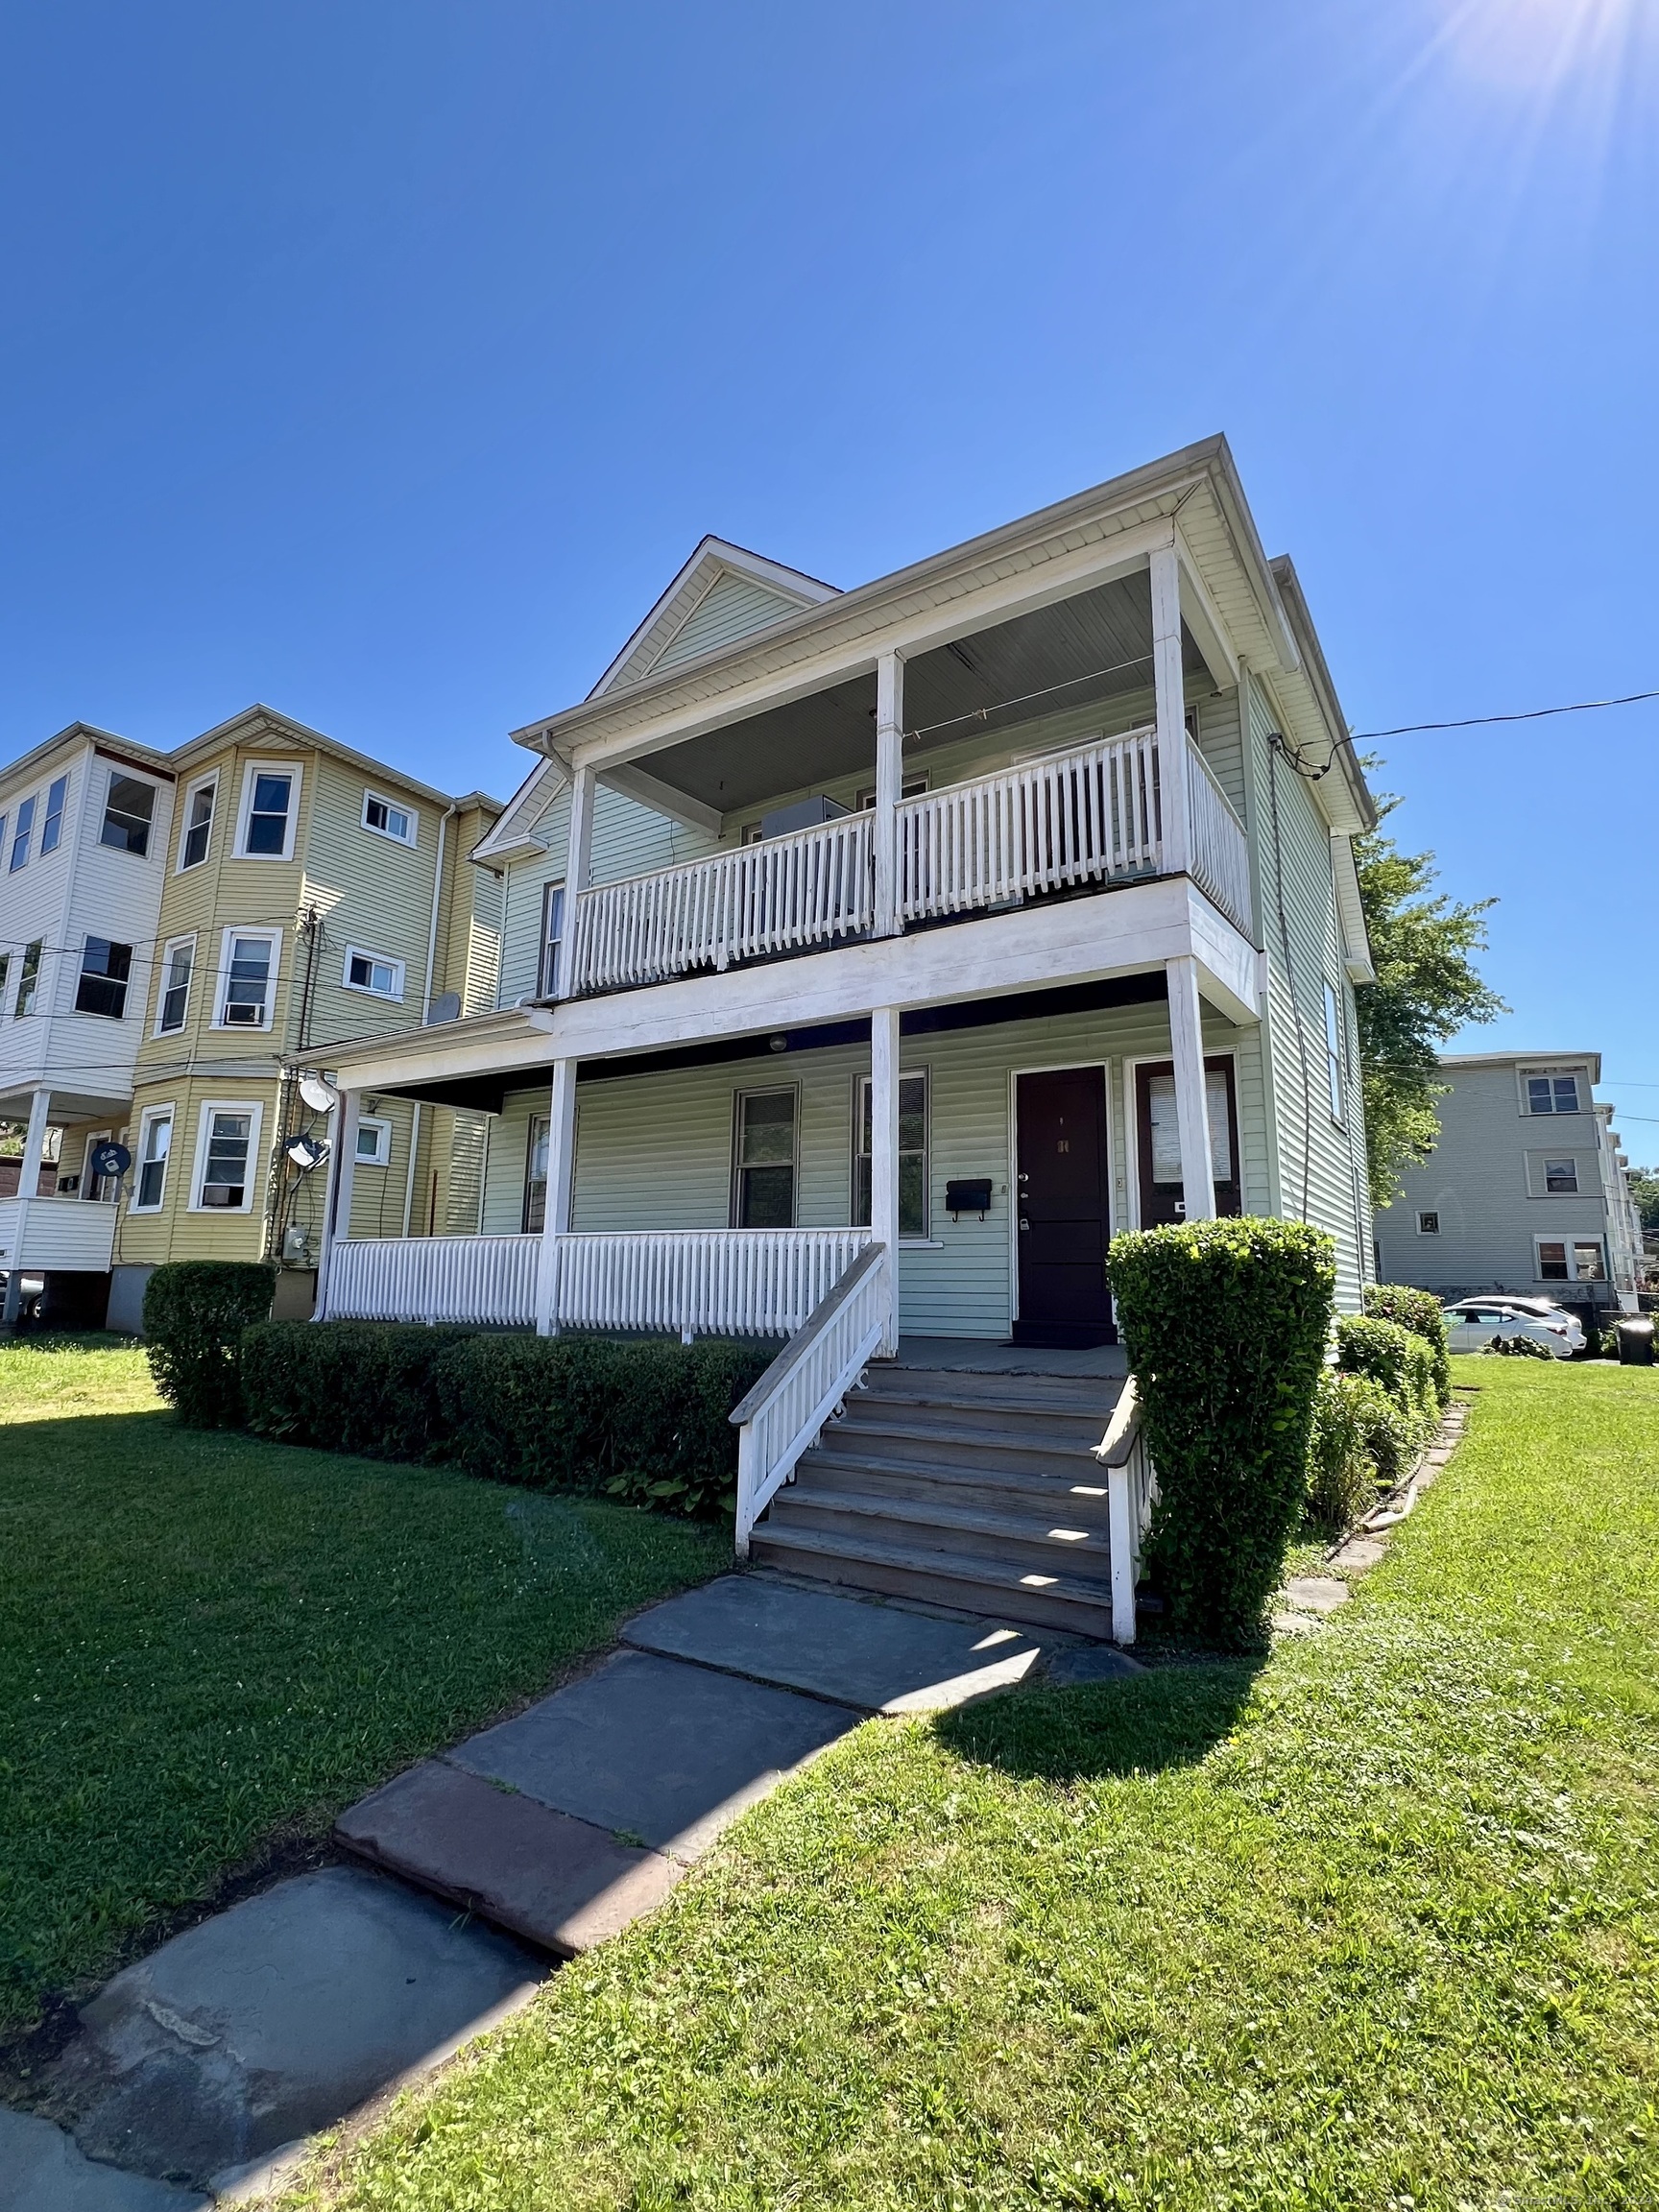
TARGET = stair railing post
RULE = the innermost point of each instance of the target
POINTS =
(884, 1050)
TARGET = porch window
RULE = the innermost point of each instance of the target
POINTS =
(129, 810)
(536, 1177)
(912, 1157)
(552, 929)
(764, 1196)
(52, 829)
(105, 970)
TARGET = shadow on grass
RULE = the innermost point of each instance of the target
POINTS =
(1170, 1716)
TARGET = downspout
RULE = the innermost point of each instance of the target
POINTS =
(444, 820)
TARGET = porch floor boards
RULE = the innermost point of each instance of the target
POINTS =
(968, 1487)
(990, 1355)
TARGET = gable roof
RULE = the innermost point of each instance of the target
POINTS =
(722, 593)
(28, 765)
(265, 726)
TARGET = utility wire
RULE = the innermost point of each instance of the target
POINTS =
(1479, 721)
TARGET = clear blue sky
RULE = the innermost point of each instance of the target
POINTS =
(382, 362)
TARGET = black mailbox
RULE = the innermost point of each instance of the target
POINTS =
(971, 1196)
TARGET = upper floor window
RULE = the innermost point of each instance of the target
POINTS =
(1334, 1050)
(1429, 1225)
(128, 815)
(24, 832)
(1555, 1093)
(388, 818)
(178, 960)
(154, 1146)
(374, 1143)
(270, 808)
(1561, 1177)
(198, 825)
(552, 930)
(105, 970)
(52, 827)
(225, 1144)
(248, 970)
(29, 980)
(369, 972)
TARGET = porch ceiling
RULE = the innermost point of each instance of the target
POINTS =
(1094, 647)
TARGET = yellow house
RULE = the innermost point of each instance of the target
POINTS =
(310, 894)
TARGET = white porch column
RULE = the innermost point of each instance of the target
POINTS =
(337, 1203)
(889, 779)
(28, 1187)
(1191, 1097)
(578, 861)
(561, 1175)
(1171, 696)
(884, 1156)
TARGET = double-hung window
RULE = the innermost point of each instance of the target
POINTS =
(224, 1151)
(52, 827)
(372, 973)
(387, 819)
(22, 834)
(1561, 1178)
(154, 1146)
(29, 980)
(912, 1156)
(247, 972)
(763, 1171)
(198, 826)
(178, 960)
(1333, 1055)
(552, 930)
(270, 807)
(1552, 1094)
(1572, 1259)
(128, 815)
(105, 970)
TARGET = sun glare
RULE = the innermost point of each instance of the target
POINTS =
(1542, 45)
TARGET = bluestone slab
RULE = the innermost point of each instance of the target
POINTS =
(564, 1883)
(1316, 1592)
(658, 1752)
(277, 2018)
(878, 1657)
(42, 2170)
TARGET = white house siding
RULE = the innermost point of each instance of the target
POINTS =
(655, 1151)
(1322, 1176)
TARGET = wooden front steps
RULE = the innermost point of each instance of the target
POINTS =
(978, 1492)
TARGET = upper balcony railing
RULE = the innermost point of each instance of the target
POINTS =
(1090, 814)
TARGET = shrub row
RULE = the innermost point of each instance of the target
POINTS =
(194, 1312)
(1392, 1356)
(1418, 1310)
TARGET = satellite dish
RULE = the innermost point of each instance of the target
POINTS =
(445, 1007)
(319, 1094)
(109, 1160)
(307, 1152)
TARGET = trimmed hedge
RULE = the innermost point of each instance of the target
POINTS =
(644, 1420)
(1390, 1355)
(1420, 1312)
(1342, 1475)
(1226, 1324)
(195, 1314)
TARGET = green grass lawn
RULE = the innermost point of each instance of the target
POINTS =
(205, 1638)
(1371, 1924)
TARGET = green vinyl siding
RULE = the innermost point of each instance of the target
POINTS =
(734, 607)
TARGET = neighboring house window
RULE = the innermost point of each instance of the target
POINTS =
(197, 823)
(374, 1143)
(764, 1196)
(552, 929)
(105, 970)
(1427, 1224)
(1572, 1259)
(5, 973)
(154, 1145)
(389, 820)
(536, 1177)
(24, 832)
(248, 967)
(910, 787)
(3, 821)
(1334, 1050)
(177, 959)
(129, 812)
(1561, 1177)
(369, 972)
(225, 1146)
(269, 803)
(52, 827)
(99, 1189)
(912, 1156)
(1552, 1094)
(28, 980)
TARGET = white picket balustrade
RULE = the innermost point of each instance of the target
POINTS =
(486, 1280)
(781, 1416)
(1220, 847)
(1131, 1492)
(702, 1281)
(808, 888)
(1085, 815)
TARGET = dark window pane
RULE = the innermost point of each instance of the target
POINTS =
(128, 813)
(268, 817)
(52, 829)
(105, 971)
(767, 1198)
(912, 1195)
(1552, 1263)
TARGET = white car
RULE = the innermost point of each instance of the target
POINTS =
(1472, 1324)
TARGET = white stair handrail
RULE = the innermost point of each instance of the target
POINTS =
(1131, 1488)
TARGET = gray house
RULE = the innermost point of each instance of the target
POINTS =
(1527, 1191)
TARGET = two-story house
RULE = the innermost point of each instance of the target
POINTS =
(882, 952)
(306, 892)
(1526, 1189)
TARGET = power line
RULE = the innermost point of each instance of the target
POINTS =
(1479, 721)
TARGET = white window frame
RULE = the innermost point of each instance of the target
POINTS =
(221, 980)
(1587, 1186)
(1580, 1083)
(251, 775)
(171, 946)
(147, 1120)
(1569, 1239)
(393, 996)
(764, 1091)
(210, 784)
(381, 1131)
(548, 952)
(255, 1108)
(1425, 1215)
(130, 775)
(861, 1089)
(396, 806)
(50, 822)
(1336, 1054)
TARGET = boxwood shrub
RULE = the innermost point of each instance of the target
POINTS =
(1420, 1312)
(367, 1387)
(1390, 1355)
(1361, 1443)
(1226, 1324)
(195, 1313)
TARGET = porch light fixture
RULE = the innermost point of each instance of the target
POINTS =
(778, 1044)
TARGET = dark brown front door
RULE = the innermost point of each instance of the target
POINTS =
(1061, 1211)
(1159, 1143)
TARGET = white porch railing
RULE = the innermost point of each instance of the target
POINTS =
(1089, 814)
(702, 1281)
(808, 888)
(1220, 847)
(1131, 1491)
(76, 1234)
(783, 1415)
(490, 1281)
